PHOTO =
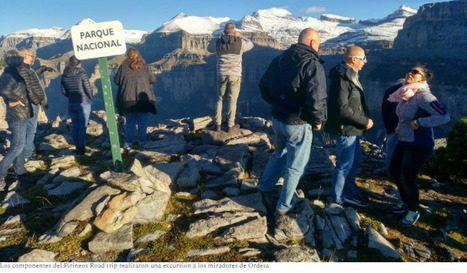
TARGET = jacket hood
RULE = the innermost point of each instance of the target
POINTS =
(296, 55)
(75, 71)
(344, 70)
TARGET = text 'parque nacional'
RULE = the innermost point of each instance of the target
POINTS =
(98, 40)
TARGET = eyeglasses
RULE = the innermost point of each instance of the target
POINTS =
(415, 72)
(363, 58)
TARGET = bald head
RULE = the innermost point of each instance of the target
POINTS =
(310, 37)
(355, 57)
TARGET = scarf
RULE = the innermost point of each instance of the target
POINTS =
(406, 91)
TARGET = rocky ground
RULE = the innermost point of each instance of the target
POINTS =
(190, 195)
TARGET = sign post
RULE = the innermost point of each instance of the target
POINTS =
(101, 40)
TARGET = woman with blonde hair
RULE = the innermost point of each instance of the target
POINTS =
(135, 96)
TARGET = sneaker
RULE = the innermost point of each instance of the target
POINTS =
(400, 208)
(234, 127)
(356, 201)
(296, 209)
(411, 218)
(25, 179)
(2, 184)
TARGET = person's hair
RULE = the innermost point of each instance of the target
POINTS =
(134, 58)
(24, 50)
(13, 58)
(73, 63)
(427, 72)
(229, 28)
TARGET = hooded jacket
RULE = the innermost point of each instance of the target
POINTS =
(76, 86)
(348, 112)
(229, 50)
(295, 85)
(13, 88)
(425, 108)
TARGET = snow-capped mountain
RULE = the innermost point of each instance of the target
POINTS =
(56, 34)
(278, 23)
(285, 27)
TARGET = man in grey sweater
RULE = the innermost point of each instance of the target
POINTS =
(229, 49)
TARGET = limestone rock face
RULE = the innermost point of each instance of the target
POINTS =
(437, 25)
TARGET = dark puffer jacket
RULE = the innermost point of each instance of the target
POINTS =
(13, 88)
(295, 85)
(76, 86)
(35, 90)
(135, 93)
(348, 112)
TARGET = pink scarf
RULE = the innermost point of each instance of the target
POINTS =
(406, 91)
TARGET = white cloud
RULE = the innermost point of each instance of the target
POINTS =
(315, 9)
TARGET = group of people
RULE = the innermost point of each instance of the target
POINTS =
(23, 95)
(294, 85)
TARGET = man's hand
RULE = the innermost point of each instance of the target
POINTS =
(370, 124)
(14, 103)
(317, 127)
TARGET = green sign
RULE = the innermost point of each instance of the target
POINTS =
(110, 112)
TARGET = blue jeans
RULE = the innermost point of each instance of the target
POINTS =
(79, 114)
(292, 152)
(31, 131)
(133, 119)
(391, 143)
(15, 154)
(348, 154)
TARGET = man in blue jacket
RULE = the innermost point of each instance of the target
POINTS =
(349, 118)
(295, 86)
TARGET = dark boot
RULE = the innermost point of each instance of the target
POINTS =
(80, 150)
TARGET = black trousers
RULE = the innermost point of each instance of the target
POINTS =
(406, 163)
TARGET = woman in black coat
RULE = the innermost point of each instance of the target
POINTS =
(135, 96)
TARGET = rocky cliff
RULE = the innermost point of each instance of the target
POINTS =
(436, 28)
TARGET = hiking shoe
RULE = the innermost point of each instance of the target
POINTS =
(296, 209)
(356, 201)
(399, 208)
(234, 127)
(2, 184)
(25, 179)
(411, 218)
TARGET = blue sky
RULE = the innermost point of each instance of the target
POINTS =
(148, 15)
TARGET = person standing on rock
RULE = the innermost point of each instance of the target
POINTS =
(36, 95)
(295, 86)
(229, 49)
(18, 111)
(77, 88)
(348, 119)
(135, 96)
(418, 112)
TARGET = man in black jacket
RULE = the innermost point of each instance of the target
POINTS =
(348, 119)
(36, 95)
(295, 86)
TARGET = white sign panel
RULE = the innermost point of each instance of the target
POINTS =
(98, 40)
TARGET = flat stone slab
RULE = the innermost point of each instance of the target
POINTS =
(246, 203)
(213, 222)
(118, 240)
